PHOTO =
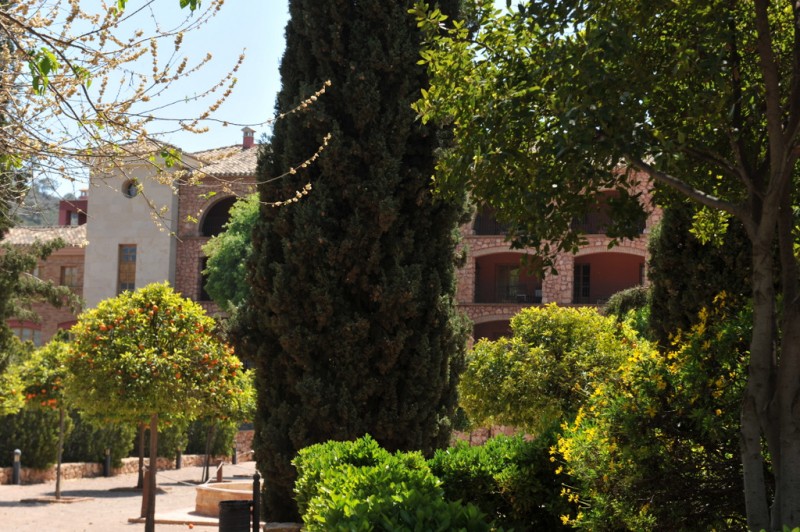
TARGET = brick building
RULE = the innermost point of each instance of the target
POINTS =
(64, 267)
(495, 283)
(142, 230)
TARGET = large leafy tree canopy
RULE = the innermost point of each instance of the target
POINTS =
(149, 351)
(557, 100)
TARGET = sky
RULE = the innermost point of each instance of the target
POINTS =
(255, 27)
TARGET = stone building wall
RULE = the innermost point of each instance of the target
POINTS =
(53, 319)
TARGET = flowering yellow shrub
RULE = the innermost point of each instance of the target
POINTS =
(655, 447)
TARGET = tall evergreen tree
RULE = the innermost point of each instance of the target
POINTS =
(351, 318)
(686, 274)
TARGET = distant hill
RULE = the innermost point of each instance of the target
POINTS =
(40, 207)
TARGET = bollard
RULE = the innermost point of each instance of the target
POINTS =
(16, 477)
(219, 472)
(234, 458)
(178, 460)
(107, 463)
(256, 502)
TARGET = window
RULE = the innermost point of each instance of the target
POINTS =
(126, 269)
(130, 189)
(69, 276)
(580, 287)
(28, 333)
(203, 280)
(508, 286)
(74, 218)
(217, 216)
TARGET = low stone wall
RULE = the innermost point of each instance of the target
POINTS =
(244, 446)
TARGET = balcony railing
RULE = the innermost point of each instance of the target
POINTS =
(486, 225)
(522, 293)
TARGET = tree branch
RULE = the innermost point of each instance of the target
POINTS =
(684, 188)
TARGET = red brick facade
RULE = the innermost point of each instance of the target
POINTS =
(493, 268)
(193, 207)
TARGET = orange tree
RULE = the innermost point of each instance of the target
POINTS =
(42, 376)
(146, 354)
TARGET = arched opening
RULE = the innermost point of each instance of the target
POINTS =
(505, 278)
(598, 276)
(491, 330)
(217, 216)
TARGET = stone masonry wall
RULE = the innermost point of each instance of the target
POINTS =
(555, 288)
(193, 204)
(50, 270)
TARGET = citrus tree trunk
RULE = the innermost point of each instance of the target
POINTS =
(150, 519)
(60, 451)
(140, 479)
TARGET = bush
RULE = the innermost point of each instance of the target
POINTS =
(544, 372)
(34, 431)
(657, 447)
(171, 439)
(510, 479)
(622, 302)
(221, 442)
(360, 486)
(89, 439)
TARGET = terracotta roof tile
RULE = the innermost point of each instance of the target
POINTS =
(73, 235)
(241, 163)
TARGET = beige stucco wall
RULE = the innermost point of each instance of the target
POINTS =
(115, 219)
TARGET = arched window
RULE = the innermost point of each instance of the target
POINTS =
(217, 216)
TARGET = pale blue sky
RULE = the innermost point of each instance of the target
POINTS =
(257, 26)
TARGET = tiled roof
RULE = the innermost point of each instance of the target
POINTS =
(213, 155)
(72, 235)
(230, 163)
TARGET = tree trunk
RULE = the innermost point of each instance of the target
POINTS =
(150, 520)
(60, 451)
(209, 438)
(140, 479)
(756, 420)
(788, 398)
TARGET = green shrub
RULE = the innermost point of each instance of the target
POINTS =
(510, 479)
(545, 371)
(360, 486)
(221, 442)
(657, 447)
(621, 303)
(34, 431)
(89, 439)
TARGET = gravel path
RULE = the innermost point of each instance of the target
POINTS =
(109, 507)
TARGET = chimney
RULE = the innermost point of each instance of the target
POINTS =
(248, 140)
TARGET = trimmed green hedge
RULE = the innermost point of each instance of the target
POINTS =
(353, 486)
(510, 479)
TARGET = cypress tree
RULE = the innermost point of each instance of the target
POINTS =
(351, 318)
(686, 274)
